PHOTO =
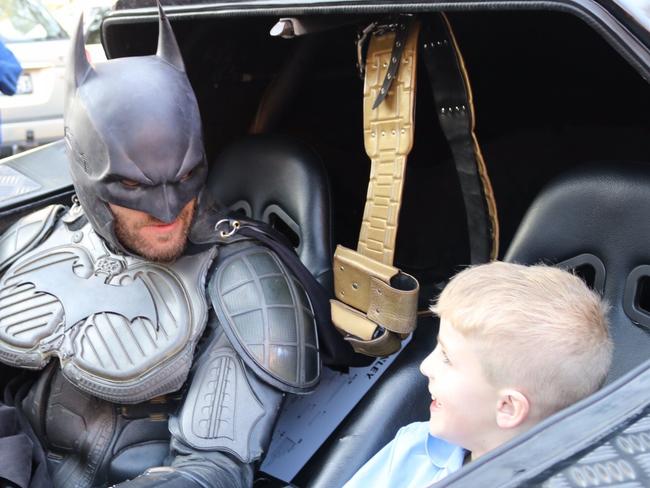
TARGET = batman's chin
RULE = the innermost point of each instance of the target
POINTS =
(149, 238)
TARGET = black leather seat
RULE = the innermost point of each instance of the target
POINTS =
(597, 219)
(281, 182)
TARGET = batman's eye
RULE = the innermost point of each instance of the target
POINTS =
(129, 183)
(186, 176)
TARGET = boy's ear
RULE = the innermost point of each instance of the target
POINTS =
(513, 408)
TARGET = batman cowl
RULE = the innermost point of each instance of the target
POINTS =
(135, 119)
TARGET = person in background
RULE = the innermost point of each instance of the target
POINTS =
(10, 70)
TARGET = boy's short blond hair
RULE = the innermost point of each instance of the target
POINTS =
(538, 329)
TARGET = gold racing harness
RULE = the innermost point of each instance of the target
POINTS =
(375, 304)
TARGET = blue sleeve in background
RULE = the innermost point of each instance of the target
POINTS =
(10, 70)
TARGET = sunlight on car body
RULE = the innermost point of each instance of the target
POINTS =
(35, 114)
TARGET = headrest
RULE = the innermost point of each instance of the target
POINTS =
(280, 181)
(597, 219)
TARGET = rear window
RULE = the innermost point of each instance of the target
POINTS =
(26, 21)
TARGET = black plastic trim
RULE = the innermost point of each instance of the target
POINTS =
(633, 49)
(594, 262)
(630, 296)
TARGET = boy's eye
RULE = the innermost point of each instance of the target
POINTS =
(445, 358)
(129, 183)
(443, 355)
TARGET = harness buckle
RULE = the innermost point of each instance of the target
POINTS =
(375, 29)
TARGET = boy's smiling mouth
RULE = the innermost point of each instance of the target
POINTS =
(435, 404)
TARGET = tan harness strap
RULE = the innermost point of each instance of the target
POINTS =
(376, 303)
(388, 137)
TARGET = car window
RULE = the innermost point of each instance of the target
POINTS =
(26, 21)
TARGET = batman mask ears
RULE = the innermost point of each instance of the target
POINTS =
(167, 46)
(78, 65)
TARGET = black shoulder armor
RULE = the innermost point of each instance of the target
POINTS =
(267, 316)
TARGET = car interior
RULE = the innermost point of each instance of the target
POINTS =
(562, 121)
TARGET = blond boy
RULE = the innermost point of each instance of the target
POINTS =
(516, 344)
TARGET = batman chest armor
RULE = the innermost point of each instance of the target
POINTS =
(124, 329)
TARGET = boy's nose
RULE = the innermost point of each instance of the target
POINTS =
(426, 366)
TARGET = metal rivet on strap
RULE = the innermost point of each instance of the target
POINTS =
(341, 267)
(394, 60)
(355, 285)
(377, 310)
(342, 293)
(393, 132)
(383, 90)
(384, 65)
(383, 133)
(398, 44)
(403, 131)
(389, 76)
(372, 134)
(442, 110)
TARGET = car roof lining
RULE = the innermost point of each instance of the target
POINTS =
(636, 50)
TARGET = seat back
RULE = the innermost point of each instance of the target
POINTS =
(282, 182)
(596, 220)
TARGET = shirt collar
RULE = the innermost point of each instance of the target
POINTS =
(444, 454)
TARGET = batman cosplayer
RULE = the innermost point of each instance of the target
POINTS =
(161, 362)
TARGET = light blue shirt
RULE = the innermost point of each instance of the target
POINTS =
(413, 459)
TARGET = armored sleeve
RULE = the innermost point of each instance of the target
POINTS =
(223, 426)
(262, 343)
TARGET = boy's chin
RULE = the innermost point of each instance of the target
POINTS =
(436, 420)
(438, 430)
(435, 428)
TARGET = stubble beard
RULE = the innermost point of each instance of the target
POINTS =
(163, 248)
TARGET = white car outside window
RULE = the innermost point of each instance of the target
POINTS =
(35, 114)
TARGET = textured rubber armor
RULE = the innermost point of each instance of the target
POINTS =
(124, 329)
(27, 233)
(268, 318)
(227, 408)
